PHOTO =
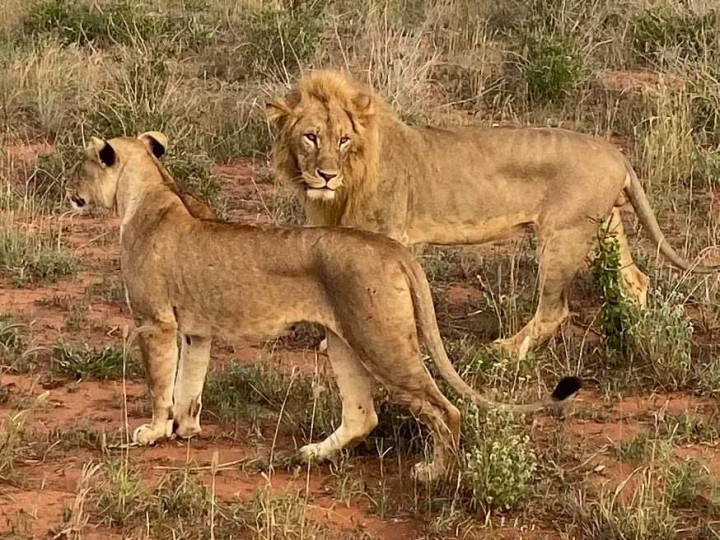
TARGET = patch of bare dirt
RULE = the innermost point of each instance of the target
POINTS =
(638, 80)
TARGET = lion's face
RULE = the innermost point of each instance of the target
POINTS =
(322, 126)
(94, 181)
(322, 140)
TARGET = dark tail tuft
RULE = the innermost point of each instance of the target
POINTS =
(566, 387)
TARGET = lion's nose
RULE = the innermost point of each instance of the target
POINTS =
(325, 175)
(79, 201)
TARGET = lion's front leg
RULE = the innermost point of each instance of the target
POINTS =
(187, 398)
(158, 346)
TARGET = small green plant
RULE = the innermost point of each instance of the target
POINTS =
(690, 485)
(77, 318)
(551, 67)
(11, 337)
(85, 362)
(33, 257)
(619, 314)
(498, 463)
(653, 342)
(122, 498)
(662, 342)
(645, 447)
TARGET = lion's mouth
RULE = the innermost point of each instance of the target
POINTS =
(324, 193)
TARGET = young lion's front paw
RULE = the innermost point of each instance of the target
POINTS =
(148, 434)
(188, 429)
(426, 473)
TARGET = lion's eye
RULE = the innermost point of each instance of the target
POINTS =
(311, 137)
(344, 140)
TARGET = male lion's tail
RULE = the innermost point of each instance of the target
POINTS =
(641, 204)
(425, 315)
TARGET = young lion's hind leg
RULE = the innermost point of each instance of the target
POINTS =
(187, 398)
(356, 387)
(410, 384)
(637, 282)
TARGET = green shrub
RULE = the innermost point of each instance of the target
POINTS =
(498, 464)
(122, 22)
(73, 21)
(280, 41)
(551, 68)
(661, 342)
(689, 34)
(653, 343)
(619, 314)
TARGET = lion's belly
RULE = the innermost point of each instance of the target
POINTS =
(428, 230)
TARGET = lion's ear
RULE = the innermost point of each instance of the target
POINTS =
(277, 111)
(102, 152)
(155, 141)
(363, 104)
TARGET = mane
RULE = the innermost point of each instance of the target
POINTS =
(367, 110)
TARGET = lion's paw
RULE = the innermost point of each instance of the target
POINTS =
(425, 472)
(186, 431)
(148, 434)
(313, 453)
(515, 346)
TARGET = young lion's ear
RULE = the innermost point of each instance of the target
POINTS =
(103, 152)
(277, 111)
(155, 141)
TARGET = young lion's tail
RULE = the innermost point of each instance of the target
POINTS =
(425, 315)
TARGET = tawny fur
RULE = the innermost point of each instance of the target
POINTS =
(205, 279)
(460, 186)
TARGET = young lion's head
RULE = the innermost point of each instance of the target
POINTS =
(324, 133)
(95, 179)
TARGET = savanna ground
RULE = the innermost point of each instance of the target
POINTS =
(633, 457)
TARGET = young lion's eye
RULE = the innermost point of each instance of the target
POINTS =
(344, 140)
(311, 137)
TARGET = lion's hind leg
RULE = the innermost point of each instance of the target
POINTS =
(187, 397)
(637, 282)
(356, 388)
(410, 384)
(561, 254)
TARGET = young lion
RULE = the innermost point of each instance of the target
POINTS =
(206, 278)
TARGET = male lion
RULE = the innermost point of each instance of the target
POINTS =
(206, 278)
(353, 162)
